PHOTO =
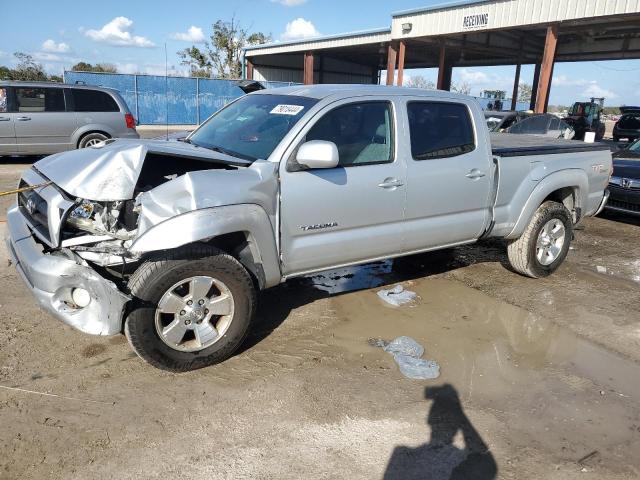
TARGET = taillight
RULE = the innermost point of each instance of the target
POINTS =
(129, 120)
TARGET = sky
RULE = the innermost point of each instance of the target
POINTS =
(132, 34)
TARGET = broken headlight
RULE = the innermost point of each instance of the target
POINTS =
(80, 216)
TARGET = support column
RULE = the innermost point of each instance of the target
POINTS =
(308, 68)
(249, 69)
(534, 87)
(546, 69)
(444, 70)
(516, 88)
(392, 53)
(401, 63)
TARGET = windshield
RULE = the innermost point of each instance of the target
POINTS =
(253, 126)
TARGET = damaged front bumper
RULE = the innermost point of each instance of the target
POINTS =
(51, 278)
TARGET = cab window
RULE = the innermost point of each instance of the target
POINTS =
(362, 132)
(30, 100)
(439, 130)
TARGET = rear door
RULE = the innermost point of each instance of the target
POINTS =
(449, 171)
(7, 129)
(41, 122)
(352, 212)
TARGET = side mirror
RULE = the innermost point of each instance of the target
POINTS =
(318, 154)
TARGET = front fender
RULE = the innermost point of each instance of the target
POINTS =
(208, 223)
(571, 178)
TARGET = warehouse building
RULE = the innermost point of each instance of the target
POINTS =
(461, 34)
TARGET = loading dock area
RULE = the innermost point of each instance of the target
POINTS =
(469, 33)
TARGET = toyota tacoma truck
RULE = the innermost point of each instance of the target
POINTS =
(169, 242)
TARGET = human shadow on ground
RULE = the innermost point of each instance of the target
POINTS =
(439, 458)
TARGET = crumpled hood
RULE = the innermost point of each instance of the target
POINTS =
(110, 171)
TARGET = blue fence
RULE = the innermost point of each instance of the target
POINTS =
(158, 100)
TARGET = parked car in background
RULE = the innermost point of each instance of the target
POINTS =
(500, 121)
(40, 118)
(625, 181)
(544, 125)
(629, 124)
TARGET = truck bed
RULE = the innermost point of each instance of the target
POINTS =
(511, 145)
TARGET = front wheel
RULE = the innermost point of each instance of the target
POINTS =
(92, 139)
(545, 242)
(193, 308)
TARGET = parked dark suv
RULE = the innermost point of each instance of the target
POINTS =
(624, 186)
(629, 124)
(40, 118)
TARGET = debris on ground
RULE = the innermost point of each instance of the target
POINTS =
(601, 269)
(397, 296)
(407, 352)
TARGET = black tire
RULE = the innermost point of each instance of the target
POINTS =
(522, 252)
(90, 138)
(154, 278)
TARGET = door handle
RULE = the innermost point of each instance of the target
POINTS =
(390, 183)
(4, 119)
(475, 173)
(23, 119)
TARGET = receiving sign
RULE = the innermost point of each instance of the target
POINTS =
(478, 20)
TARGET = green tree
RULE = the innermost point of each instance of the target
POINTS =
(524, 92)
(221, 55)
(418, 81)
(98, 67)
(28, 69)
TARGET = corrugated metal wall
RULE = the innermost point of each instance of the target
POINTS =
(507, 13)
(158, 100)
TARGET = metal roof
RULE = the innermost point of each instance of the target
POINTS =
(342, 90)
(439, 6)
(326, 41)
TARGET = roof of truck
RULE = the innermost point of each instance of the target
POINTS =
(20, 83)
(324, 90)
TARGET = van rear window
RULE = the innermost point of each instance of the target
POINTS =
(93, 101)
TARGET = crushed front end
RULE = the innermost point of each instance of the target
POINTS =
(63, 282)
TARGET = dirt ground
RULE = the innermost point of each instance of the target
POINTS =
(539, 378)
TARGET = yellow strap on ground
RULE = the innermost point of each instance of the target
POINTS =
(25, 189)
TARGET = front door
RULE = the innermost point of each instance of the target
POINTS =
(41, 122)
(449, 172)
(352, 212)
(7, 131)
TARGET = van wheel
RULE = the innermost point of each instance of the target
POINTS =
(92, 139)
(545, 242)
(192, 308)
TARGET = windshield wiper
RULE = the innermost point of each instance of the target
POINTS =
(231, 153)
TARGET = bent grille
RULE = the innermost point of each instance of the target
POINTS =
(34, 209)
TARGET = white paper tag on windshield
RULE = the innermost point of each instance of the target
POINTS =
(287, 109)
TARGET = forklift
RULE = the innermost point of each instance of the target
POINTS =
(585, 117)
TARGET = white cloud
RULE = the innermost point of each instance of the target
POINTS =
(3, 54)
(595, 90)
(299, 29)
(290, 3)
(47, 57)
(51, 46)
(193, 34)
(564, 81)
(474, 77)
(119, 32)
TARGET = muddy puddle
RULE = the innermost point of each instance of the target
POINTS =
(555, 387)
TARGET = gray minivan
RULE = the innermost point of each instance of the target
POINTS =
(40, 118)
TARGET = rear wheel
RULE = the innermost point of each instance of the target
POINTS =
(545, 242)
(92, 139)
(194, 308)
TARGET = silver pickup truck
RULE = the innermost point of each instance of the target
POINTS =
(169, 242)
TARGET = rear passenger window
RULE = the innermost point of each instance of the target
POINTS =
(362, 132)
(39, 99)
(93, 101)
(439, 130)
